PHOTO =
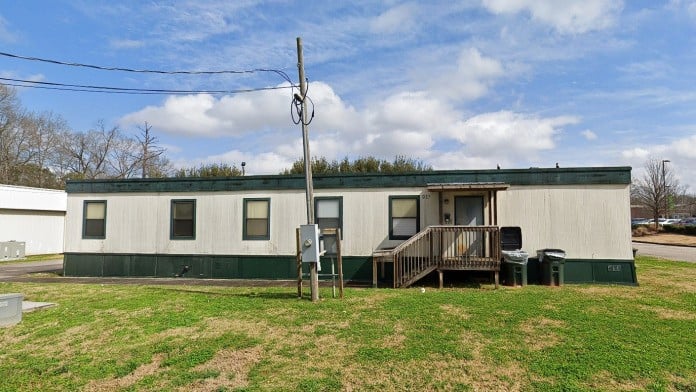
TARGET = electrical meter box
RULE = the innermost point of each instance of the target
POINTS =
(10, 309)
(309, 242)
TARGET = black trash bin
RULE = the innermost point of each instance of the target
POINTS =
(552, 264)
(514, 266)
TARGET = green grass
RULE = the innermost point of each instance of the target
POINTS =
(56, 256)
(574, 338)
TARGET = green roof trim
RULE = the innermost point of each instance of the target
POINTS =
(533, 176)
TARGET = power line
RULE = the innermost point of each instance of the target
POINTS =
(295, 103)
(278, 72)
(123, 90)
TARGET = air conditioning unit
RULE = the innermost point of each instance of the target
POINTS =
(12, 250)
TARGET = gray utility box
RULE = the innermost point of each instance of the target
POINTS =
(11, 250)
(10, 309)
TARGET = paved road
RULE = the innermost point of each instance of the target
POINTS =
(678, 253)
(11, 270)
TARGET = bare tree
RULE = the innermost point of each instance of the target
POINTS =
(151, 153)
(124, 159)
(655, 187)
(45, 131)
(11, 136)
(86, 155)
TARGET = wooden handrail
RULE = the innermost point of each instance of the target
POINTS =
(446, 248)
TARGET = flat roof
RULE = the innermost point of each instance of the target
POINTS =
(458, 186)
(532, 176)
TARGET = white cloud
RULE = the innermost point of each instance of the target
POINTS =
(400, 18)
(571, 16)
(471, 79)
(634, 153)
(235, 115)
(459, 160)
(589, 135)
(680, 152)
(263, 163)
(683, 6)
(415, 111)
(126, 43)
(652, 69)
(414, 124)
(5, 34)
(684, 148)
(514, 134)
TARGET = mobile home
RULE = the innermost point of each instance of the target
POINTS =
(244, 227)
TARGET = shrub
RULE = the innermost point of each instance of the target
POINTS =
(686, 230)
(641, 230)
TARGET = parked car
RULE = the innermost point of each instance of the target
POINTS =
(639, 221)
(668, 222)
(687, 222)
(659, 221)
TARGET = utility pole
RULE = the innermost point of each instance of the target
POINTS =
(313, 273)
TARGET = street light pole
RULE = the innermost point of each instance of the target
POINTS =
(664, 185)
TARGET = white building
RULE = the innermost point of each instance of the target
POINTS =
(34, 216)
(244, 227)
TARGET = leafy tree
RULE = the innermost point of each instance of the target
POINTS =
(209, 170)
(657, 185)
(321, 165)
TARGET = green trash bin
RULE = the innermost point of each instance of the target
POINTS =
(515, 267)
(552, 263)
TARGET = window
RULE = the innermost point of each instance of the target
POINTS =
(329, 212)
(183, 224)
(256, 219)
(404, 217)
(94, 225)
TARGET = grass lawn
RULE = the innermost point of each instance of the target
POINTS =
(578, 337)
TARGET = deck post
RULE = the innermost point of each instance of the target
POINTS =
(441, 277)
(298, 259)
(340, 263)
(374, 271)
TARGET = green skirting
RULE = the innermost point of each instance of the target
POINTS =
(204, 266)
(355, 268)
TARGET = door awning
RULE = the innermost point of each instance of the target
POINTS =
(468, 186)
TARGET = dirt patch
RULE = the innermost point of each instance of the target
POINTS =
(603, 380)
(670, 314)
(458, 311)
(608, 291)
(668, 239)
(233, 367)
(138, 374)
(539, 333)
(397, 339)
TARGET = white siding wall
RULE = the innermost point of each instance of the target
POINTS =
(34, 216)
(140, 223)
(42, 231)
(588, 222)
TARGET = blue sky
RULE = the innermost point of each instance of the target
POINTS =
(460, 85)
